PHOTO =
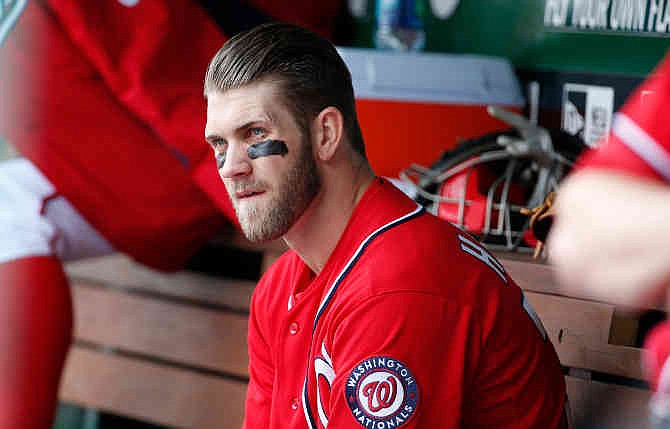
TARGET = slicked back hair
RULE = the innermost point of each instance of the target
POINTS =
(310, 72)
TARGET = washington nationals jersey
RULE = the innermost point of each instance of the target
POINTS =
(410, 324)
(639, 142)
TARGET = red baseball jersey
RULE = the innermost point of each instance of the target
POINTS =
(639, 142)
(410, 324)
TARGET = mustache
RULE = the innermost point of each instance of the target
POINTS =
(234, 186)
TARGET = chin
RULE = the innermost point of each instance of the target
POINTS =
(254, 237)
(268, 224)
(258, 232)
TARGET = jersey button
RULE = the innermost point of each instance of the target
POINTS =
(293, 328)
(295, 404)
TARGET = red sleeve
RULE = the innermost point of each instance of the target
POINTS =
(261, 373)
(152, 56)
(639, 143)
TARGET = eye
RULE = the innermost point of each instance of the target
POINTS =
(256, 132)
(216, 143)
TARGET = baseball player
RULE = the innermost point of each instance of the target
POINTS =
(380, 315)
(103, 100)
(612, 227)
(612, 213)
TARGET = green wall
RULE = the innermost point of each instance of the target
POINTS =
(515, 29)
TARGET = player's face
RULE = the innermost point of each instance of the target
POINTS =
(263, 158)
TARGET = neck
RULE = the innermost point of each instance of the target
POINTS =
(317, 232)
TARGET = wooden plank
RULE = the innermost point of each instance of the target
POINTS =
(146, 391)
(195, 336)
(530, 275)
(120, 271)
(580, 333)
(602, 405)
(538, 276)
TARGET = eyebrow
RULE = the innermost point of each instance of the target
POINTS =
(214, 137)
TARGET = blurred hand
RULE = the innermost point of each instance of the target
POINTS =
(611, 238)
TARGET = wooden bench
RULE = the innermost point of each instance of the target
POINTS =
(171, 349)
(592, 339)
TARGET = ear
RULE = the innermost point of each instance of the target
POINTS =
(328, 128)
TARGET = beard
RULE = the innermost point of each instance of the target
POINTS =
(296, 190)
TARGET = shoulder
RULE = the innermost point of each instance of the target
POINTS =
(438, 253)
(428, 255)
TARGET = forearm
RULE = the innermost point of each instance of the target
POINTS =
(611, 236)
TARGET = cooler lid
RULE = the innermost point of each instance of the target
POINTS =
(432, 77)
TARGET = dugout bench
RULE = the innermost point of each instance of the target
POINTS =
(171, 349)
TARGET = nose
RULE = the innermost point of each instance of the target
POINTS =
(237, 162)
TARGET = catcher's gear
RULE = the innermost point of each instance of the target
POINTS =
(484, 184)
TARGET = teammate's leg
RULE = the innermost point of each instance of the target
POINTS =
(36, 232)
(35, 333)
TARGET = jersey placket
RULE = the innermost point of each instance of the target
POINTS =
(293, 346)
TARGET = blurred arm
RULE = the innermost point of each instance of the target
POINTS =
(611, 237)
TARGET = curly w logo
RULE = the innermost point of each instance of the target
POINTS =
(381, 394)
(9, 13)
